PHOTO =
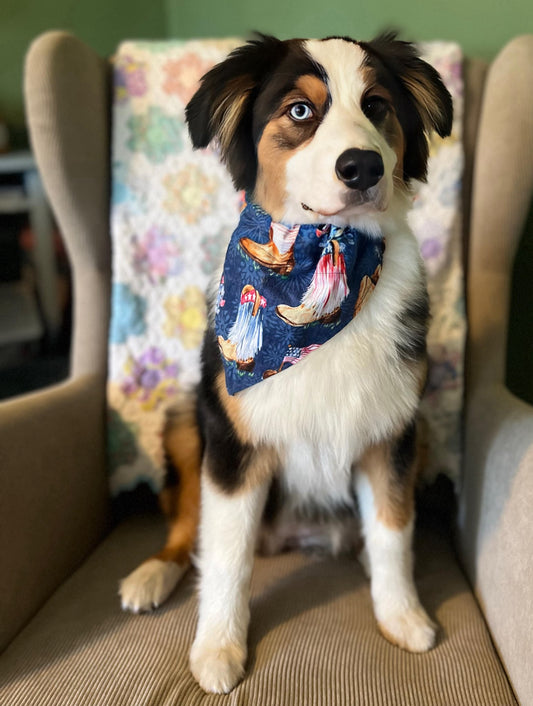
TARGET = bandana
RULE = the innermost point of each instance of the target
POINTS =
(286, 290)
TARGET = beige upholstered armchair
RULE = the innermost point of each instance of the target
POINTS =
(313, 641)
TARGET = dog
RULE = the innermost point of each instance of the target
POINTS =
(326, 134)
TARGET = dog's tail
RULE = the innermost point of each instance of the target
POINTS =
(180, 497)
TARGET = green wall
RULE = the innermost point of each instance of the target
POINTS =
(481, 27)
(100, 23)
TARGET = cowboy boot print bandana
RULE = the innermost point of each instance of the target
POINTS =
(285, 291)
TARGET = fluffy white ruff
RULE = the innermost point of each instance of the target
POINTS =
(352, 392)
(401, 617)
(150, 585)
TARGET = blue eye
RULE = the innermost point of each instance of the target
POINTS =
(300, 111)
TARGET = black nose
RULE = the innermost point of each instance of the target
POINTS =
(359, 169)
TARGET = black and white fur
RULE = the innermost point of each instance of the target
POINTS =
(340, 423)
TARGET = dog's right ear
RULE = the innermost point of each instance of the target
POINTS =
(222, 108)
(425, 103)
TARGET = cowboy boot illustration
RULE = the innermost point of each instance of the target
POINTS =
(293, 355)
(245, 338)
(277, 254)
(367, 286)
(326, 292)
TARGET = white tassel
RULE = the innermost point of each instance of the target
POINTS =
(329, 286)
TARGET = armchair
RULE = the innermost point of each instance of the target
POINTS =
(312, 641)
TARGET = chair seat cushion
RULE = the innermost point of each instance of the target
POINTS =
(313, 638)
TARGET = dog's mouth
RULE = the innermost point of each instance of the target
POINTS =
(321, 212)
(363, 201)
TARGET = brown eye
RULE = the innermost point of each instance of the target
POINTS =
(300, 111)
(375, 108)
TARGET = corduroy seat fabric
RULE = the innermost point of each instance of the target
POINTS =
(313, 639)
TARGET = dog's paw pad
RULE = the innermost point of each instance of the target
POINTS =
(217, 669)
(149, 585)
(410, 629)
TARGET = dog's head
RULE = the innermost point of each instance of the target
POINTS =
(321, 129)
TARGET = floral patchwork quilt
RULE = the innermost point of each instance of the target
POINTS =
(173, 211)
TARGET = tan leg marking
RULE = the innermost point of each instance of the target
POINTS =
(149, 585)
(394, 496)
(181, 503)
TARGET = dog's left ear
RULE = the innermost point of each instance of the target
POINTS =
(222, 108)
(425, 103)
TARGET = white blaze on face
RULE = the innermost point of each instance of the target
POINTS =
(310, 174)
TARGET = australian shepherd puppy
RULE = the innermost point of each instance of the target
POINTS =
(327, 132)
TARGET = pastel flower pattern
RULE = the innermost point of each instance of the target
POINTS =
(130, 78)
(186, 317)
(190, 192)
(183, 75)
(151, 378)
(157, 254)
(212, 251)
(155, 133)
(128, 314)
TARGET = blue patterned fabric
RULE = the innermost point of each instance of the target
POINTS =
(287, 290)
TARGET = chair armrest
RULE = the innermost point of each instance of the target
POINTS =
(54, 494)
(496, 524)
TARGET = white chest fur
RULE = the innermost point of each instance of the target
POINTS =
(351, 392)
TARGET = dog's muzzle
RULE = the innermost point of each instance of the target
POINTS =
(359, 169)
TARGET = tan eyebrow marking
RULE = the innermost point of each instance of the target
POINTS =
(314, 88)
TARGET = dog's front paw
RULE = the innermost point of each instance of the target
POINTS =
(410, 629)
(217, 668)
(149, 585)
